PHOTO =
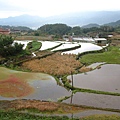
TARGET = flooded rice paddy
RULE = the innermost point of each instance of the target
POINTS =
(24, 85)
(48, 44)
(99, 101)
(39, 86)
(107, 78)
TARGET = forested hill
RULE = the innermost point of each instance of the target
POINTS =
(114, 24)
(91, 25)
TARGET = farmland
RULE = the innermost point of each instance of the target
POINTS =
(59, 65)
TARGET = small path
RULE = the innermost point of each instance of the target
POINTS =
(94, 112)
(77, 114)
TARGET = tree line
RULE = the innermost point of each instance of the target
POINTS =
(62, 29)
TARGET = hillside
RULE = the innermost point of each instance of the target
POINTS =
(114, 24)
(91, 25)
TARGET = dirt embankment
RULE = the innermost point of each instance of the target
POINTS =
(40, 106)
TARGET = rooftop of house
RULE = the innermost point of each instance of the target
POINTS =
(4, 30)
(101, 39)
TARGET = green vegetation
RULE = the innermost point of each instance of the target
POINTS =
(95, 91)
(54, 29)
(34, 46)
(11, 52)
(101, 117)
(24, 116)
(62, 29)
(7, 48)
(112, 56)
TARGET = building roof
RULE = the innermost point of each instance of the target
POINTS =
(101, 39)
(4, 31)
(83, 38)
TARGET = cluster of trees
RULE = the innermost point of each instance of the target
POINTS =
(8, 48)
(62, 29)
(58, 29)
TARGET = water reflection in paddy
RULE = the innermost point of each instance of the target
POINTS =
(47, 90)
(107, 78)
(96, 100)
(44, 85)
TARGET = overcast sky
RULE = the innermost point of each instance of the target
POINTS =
(45, 8)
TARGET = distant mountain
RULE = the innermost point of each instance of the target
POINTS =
(114, 24)
(21, 28)
(22, 20)
(91, 25)
(72, 19)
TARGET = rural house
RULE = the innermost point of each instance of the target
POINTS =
(101, 41)
(4, 31)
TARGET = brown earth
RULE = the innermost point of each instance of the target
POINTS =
(14, 87)
(40, 106)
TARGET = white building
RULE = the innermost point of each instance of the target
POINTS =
(100, 41)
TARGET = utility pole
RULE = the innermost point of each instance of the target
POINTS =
(72, 78)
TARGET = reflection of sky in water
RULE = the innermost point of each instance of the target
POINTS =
(84, 48)
(48, 44)
(107, 78)
(96, 100)
(47, 90)
(45, 86)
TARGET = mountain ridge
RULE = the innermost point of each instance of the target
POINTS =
(73, 19)
(114, 24)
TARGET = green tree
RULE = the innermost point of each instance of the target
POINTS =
(76, 30)
(7, 47)
(107, 28)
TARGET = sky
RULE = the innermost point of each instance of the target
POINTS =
(46, 8)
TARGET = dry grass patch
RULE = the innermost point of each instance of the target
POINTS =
(55, 64)
(40, 106)
(85, 69)
(33, 104)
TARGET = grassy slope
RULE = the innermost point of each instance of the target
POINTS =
(34, 46)
(112, 56)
